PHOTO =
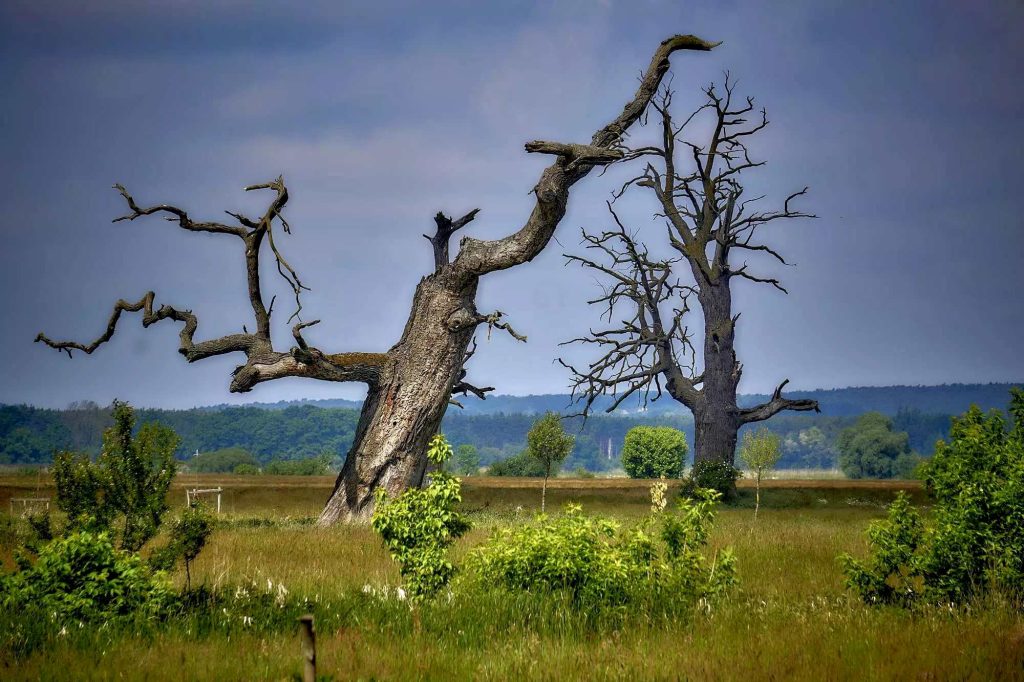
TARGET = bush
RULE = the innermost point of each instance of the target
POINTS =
(975, 542)
(189, 534)
(222, 461)
(311, 466)
(517, 465)
(246, 470)
(712, 475)
(658, 563)
(83, 578)
(654, 452)
(127, 484)
(583, 472)
(420, 524)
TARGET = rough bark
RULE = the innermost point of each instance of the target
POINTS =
(411, 385)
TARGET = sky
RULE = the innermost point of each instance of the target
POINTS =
(906, 121)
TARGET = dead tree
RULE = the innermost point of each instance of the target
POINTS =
(411, 385)
(709, 223)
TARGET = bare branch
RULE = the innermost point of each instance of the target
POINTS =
(493, 322)
(464, 387)
(446, 227)
(775, 405)
(642, 352)
(266, 226)
(182, 217)
(576, 154)
(297, 333)
(192, 351)
(552, 190)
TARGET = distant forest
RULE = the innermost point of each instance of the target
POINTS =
(30, 435)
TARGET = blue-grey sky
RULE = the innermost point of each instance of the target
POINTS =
(904, 118)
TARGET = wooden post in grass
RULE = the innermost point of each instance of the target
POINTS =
(308, 648)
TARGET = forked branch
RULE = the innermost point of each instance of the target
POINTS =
(263, 363)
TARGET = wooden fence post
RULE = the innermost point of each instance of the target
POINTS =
(308, 648)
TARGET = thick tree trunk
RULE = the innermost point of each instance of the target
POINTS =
(409, 386)
(714, 435)
(404, 409)
(716, 417)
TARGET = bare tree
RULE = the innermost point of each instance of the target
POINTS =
(410, 385)
(708, 220)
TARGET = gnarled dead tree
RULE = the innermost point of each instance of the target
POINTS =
(410, 385)
(709, 222)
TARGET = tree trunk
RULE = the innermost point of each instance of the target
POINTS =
(409, 386)
(544, 492)
(404, 409)
(757, 500)
(716, 417)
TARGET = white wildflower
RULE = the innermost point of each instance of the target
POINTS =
(400, 594)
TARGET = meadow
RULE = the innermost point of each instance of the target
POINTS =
(790, 618)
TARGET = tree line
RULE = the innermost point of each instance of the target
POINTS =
(31, 435)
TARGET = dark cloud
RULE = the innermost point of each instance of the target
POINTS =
(906, 125)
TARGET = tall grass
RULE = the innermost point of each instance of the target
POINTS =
(790, 618)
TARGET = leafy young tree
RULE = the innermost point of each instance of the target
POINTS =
(698, 188)
(188, 536)
(411, 384)
(548, 443)
(654, 452)
(872, 449)
(139, 470)
(420, 524)
(974, 542)
(760, 452)
(467, 460)
(129, 480)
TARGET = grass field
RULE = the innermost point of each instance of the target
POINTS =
(790, 617)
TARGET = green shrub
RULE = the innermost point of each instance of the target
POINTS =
(188, 536)
(658, 564)
(583, 472)
(246, 470)
(420, 524)
(221, 461)
(712, 475)
(11, 535)
(83, 578)
(517, 465)
(975, 541)
(890, 575)
(654, 452)
(311, 466)
(126, 486)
